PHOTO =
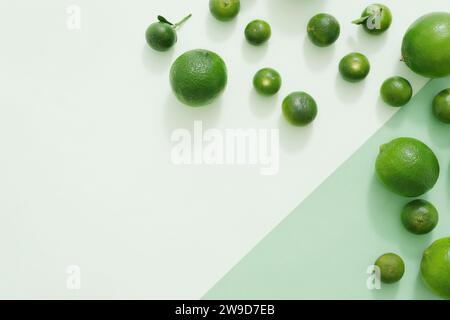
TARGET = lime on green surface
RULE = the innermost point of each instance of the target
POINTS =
(391, 267)
(441, 105)
(257, 32)
(224, 10)
(267, 81)
(324, 248)
(375, 19)
(323, 29)
(435, 267)
(299, 108)
(426, 45)
(419, 216)
(198, 77)
(407, 167)
(354, 67)
(396, 91)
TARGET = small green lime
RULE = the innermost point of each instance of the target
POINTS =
(299, 108)
(267, 81)
(391, 267)
(161, 36)
(375, 19)
(396, 91)
(441, 105)
(419, 216)
(407, 167)
(257, 32)
(435, 267)
(323, 29)
(354, 67)
(198, 77)
(224, 10)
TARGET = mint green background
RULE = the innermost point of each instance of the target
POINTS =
(323, 248)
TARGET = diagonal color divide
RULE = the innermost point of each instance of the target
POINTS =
(323, 248)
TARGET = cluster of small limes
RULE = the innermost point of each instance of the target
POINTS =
(406, 166)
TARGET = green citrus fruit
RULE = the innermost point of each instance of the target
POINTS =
(435, 267)
(299, 108)
(419, 216)
(354, 67)
(323, 29)
(267, 81)
(396, 91)
(426, 45)
(375, 19)
(441, 105)
(224, 10)
(198, 77)
(257, 32)
(391, 267)
(407, 167)
(161, 36)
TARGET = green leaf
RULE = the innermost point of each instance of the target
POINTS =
(164, 20)
(361, 20)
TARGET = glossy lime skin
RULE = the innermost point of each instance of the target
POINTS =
(425, 46)
(396, 91)
(257, 32)
(224, 10)
(299, 108)
(407, 166)
(372, 25)
(435, 267)
(419, 216)
(323, 29)
(161, 36)
(267, 81)
(354, 67)
(391, 267)
(441, 105)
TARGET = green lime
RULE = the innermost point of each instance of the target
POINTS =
(257, 32)
(323, 29)
(198, 77)
(435, 267)
(396, 91)
(267, 81)
(441, 105)
(419, 216)
(375, 19)
(391, 267)
(426, 45)
(407, 167)
(224, 10)
(354, 67)
(162, 35)
(299, 108)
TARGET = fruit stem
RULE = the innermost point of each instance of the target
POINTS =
(178, 24)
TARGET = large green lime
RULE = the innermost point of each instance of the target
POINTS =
(198, 77)
(407, 167)
(426, 45)
(435, 267)
(391, 267)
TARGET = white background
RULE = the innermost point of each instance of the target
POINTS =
(85, 124)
